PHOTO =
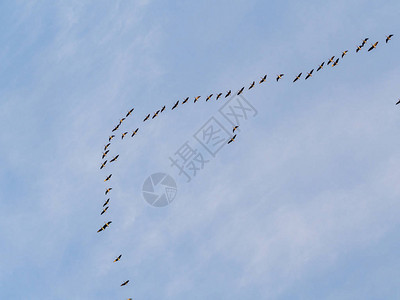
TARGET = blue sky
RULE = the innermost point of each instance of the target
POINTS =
(303, 205)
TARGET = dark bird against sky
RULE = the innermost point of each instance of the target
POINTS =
(297, 77)
(373, 46)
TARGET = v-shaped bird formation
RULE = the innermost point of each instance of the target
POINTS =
(333, 61)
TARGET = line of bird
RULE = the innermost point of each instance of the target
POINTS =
(331, 61)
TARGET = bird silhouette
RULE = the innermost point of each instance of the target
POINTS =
(279, 77)
(105, 203)
(133, 133)
(373, 46)
(147, 117)
(124, 134)
(320, 66)
(104, 210)
(240, 91)
(103, 165)
(388, 37)
(184, 101)
(331, 60)
(125, 283)
(219, 95)
(263, 79)
(209, 97)
(227, 94)
(297, 78)
(232, 139)
(196, 98)
(114, 159)
(344, 53)
(309, 74)
(108, 178)
(252, 85)
(107, 191)
(111, 137)
(175, 105)
(118, 258)
(129, 112)
(104, 154)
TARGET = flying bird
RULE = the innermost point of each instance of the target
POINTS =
(147, 117)
(298, 77)
(116, 128)
(184, 101)
(106, 146)
(120, 121)
(252, 85)
(107, 191)
(331, 60)
(398, 102)
(232, 139)
(389, 37)
(373, 46)
(114, 159)
(104, 210)
(279, 77)
(118, 258)
(234, 128)
(129, 112)
(175, 105)
(359, 48)
(111, 137)
(364, 41)
(103, 165)
(162, 109)
(133, 133)
(335, 63)
(209, 97)
(344, 53)
(309, 74)
(320, 66)
(240, 91)
(108, 178)
(263, 79)
(125, 283)
(219, 95)
(196, 98)
(228, 93)
(155, 114)
(104, 154)
(124, 134)
(105, 203)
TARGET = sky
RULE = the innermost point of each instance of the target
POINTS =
(304, 204)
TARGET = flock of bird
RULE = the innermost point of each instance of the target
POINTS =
(332, 61)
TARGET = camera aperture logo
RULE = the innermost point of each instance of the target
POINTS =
(159, 189)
